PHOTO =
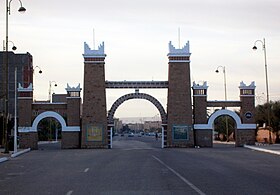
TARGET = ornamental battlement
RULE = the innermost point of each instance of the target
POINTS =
(244, 86)
(88, 52)
(185, 51)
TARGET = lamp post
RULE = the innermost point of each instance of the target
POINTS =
(266, 81)
(6, 70)
(225, 87)
(50, 90)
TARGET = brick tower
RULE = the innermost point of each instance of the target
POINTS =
(179, 113)
(94, 117)
(247, 114)
(28, 138)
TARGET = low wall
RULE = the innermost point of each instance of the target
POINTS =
(245, 136)
(28, 140)
(204, 138)
(70, 140)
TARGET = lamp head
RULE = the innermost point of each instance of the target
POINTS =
(21, 9)
(40, 71)
(255, 48)
(217, 71)
(55, 85)
(14, 48)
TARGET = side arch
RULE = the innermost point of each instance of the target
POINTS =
(230, 113)
(129, 96)
(49, 114)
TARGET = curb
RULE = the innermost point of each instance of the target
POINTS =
(20, 153)
(262, 150)
(3, 159)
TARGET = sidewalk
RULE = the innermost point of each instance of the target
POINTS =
(268, 148)
(6, 156)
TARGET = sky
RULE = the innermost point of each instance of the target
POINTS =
(136, 35)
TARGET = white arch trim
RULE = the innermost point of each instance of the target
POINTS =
(45, 115)
(210, 124)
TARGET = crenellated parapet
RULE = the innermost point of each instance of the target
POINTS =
(179, 55)
(88, 52)
(200, 89)
(73, 91)
(95, 56)
(247, 90)
(26, 92)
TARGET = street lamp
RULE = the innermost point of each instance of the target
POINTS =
(266, 80)
(50, 90)
(6, 62)
(40, 71)
(225, 86)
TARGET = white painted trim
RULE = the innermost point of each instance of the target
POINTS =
(57, 117)
(25, 130)
(78, 97)
(71, 129)
(210, 124)
(247, 95)
(199, 95)
(179, 61)
(54, 103)
(25, 98)
(94, 62)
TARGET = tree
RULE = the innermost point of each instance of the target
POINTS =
(220, 125)
(261, 115)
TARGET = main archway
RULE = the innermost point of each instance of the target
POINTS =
(130, 96)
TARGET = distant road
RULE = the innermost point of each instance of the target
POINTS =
(137, 165)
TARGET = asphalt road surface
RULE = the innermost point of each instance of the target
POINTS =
(137, 165)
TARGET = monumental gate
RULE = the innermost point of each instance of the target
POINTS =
(184, 124)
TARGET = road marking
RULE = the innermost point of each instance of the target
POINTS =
(181, 177)
(86, 170)
(70, 192)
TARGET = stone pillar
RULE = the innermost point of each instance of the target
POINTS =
(28, 138)
(94, 117)
(179, 106)
(202, 137)
(247, 114)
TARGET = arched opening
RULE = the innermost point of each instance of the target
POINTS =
(145, 132)
(224, 130)
(49, 126)
(224, 127)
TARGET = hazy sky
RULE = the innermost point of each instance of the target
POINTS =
(136, 35)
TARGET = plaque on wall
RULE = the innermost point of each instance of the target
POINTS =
(180, 132)
(94, 133)
(248, 115)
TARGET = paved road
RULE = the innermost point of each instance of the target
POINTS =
(143, 168)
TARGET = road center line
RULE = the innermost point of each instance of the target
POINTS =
(70, 192)
(86, 170)
(180, 176)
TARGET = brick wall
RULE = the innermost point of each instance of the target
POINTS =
(70, 140)
(28, 140)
